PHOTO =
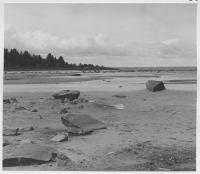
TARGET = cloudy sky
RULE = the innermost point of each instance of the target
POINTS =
(105, 34)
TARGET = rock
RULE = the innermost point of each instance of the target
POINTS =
(19, 108)
(155, 85)
(120, 86)
(26, 129)
(34, 110)
(119, 96)
(63, 111)
(60, 137)
(27, 141)
(30, 154)
(81, 123)
(13, 100)
(8, 131)
(62, 160)
(80, 107)
(69, 94)
(76, 75)
(6, 101)
(79, 100)
(5, 142)
(73, 102)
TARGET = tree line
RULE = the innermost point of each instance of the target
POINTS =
(13, 58)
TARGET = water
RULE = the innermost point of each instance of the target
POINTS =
(128, 80)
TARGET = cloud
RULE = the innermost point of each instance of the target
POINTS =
(40, 42)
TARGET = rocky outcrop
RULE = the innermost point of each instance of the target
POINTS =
(69, 94)
(81, 123)
(154, 86)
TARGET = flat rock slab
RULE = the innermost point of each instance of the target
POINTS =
(60, 137)
(154, 86)
(81, 123)
(69, 94)
(7, 131)
(30, 154)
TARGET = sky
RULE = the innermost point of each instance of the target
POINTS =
(114, 35)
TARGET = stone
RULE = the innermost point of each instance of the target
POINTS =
(81, 123)
(5, 142)
(76, 75)
(6, 101)
(27, 141)
(63, 111)
(8, 131)
(80, 107)
(73, 102)
(79, 100)
(26, 129)
(69, 94)
(119, 96)
(18, 108)
(13, 100)
(60, 137)
(62, 160)
(28, 154)
(154, 86)
(34, 110)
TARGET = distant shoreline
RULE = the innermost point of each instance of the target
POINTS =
(55, 69)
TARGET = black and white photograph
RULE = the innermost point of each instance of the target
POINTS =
(91, 86)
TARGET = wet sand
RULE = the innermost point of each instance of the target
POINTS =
(154, 131)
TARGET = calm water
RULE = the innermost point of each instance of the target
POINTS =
(128, 80)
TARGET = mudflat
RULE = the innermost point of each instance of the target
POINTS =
(145, 130)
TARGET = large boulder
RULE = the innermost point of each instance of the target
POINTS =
(81, 123)
(154, 86)
(30, 154)
(69, 94)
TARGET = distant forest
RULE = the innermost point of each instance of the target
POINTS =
(15, 59)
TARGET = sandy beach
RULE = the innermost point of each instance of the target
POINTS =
(145, 130)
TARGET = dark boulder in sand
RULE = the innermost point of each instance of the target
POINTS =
(8, 131)
(30, 154)
(81, 123)
(69, 94)
(155, 85)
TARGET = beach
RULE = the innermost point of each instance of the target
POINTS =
(145, 130)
